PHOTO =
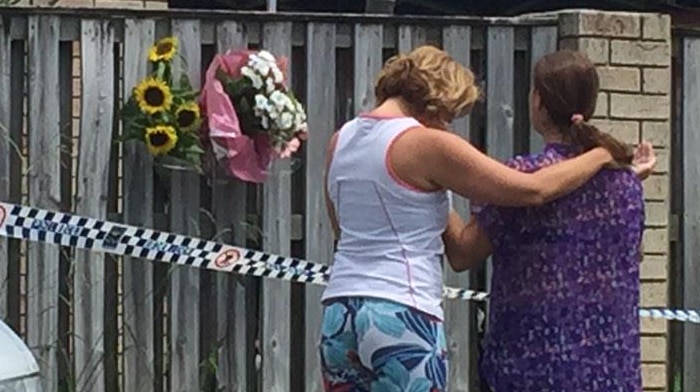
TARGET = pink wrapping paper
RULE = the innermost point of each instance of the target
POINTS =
(244, 157)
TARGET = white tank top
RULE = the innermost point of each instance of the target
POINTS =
(390, 244)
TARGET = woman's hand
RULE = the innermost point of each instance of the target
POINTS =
(644, 160)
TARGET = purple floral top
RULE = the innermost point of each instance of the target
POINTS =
(565, 286)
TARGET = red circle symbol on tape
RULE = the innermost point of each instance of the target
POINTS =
(227, 258)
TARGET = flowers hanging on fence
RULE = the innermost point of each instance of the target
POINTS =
(163, 112)
(252, 116)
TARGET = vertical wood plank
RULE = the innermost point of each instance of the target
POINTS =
(5, 151)
(97, 58)
(139, 351)
(17, 168)
(500, 142)
(184, 215)
(543, 41)
(459, 315)
(235, 350)
(368, 62)
(277, 217)
(691, 211)
(411, 37)
(320, 97)
(44, 192)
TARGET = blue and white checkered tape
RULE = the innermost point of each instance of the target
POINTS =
(50, 227)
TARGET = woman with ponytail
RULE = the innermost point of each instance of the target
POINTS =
(565, 285)
(388, 173)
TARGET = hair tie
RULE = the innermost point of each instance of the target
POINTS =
(576, 118)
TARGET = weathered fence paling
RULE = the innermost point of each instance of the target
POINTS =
(691, 216)
(320, 102)
(138, 329)
(276, 226)
(44, 191)
(204, 336)
(184, 204)
(5, 153)
(97, 45)
(460, 330)
(235, 358)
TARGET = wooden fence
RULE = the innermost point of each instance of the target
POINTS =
(99, 323)
(685, 292)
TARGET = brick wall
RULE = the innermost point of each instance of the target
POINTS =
(633, 54)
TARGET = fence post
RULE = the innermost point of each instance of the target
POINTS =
(691, 211)
(633, 54)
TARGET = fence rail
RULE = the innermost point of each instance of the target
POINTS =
(100, 323)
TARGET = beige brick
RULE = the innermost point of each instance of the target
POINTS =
(655, 241)
(656, 187)
(75, 3)
(124, 4)
(653, 348)
(601, 108)
(625, 131)
(619, 78)
(654, 375)
(76, 107)
(640, 106)
(601, 24)
(657, 80)
(157, 5)
(77, 87)
(597, 49)
(640, 53)
(657, 133)
(654, 294)
(656, 213)
(654, 267)
(656, 26)
(662, 161)
(76, 67)
(653, 326)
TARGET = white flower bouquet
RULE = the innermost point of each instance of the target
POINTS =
(252, 115)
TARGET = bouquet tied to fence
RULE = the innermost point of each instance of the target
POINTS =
(252, 116)
(163, 112)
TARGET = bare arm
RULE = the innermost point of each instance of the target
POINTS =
(465, 246)
(329, 204)
(437, 159)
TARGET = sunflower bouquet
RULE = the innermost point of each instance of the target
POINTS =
(252, 116)
(163, 111)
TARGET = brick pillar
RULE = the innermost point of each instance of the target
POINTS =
(633, 55)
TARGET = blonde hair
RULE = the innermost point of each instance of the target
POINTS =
(430, 82)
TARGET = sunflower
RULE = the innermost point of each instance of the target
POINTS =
(153, 95)
(187, 116)
(160, 139)
(163, 50)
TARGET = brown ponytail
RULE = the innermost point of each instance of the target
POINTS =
(587, 136)
(567, 83)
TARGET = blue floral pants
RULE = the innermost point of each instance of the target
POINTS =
(372, 345)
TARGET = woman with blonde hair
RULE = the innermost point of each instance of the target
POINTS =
(388, 173)
(564, 304)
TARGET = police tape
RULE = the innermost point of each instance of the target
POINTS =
(57, 228)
